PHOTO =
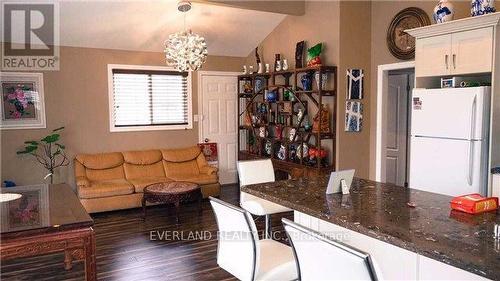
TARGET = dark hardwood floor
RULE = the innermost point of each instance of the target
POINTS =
(125, 250)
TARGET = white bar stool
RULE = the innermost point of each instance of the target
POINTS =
(241, 253)
(253, 172)
(322, 258)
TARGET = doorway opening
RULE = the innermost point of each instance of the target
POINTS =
(393, 123)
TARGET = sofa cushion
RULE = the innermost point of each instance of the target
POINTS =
(133, 171)
(105, 188)
(101, 160)
(145, 157)
(181, 154)
(182, 169)
(199, 179)
(140, 183)
(105, 174)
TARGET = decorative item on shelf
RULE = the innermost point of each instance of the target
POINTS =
(185, 50)
(286, 95)
(260, 70)
(267, 68)
(247, 121)
(324, 80)
(355, 78)
(313, 55)
(315, 155)
(291, 96)
(271, 96)
(260, 84)
(271, 116)
(302, 151)
(250, 70)
(307, 125)
(257, 59)
(255, 120)
(443, 12)
(287, 107)
(299, 53)
(306, 81)
(262, 132)
(284, 65)
(262, 108)
(400, 43)
(268, 147)
(353, 116)
(482, 7)
(292, 152)
(325, 120)
(245, 71)
(246, 86)
(282, 153)
(277, 63)
(48, 151)
(291, 134)
(300, 114)
(278, 132)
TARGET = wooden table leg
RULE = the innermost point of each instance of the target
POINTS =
(90, 266)
(177, 207)
(68, 260)
(144, 207)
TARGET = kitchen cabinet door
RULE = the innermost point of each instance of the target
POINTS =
(472, 51)
(433, 56)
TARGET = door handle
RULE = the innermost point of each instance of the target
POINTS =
(206, 140)
(470, 167)
(446, 60)
(454, 61)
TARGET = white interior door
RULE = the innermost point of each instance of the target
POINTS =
(397, 133)
(219, 110)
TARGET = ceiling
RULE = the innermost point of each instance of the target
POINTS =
(144, 25)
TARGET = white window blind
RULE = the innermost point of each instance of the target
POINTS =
(149, 98)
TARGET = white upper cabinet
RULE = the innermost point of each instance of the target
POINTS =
(432, 56)
(464, 46)
(472, 51)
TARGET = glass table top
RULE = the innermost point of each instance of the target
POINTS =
(42, 207)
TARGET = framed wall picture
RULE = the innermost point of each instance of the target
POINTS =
(355, 79)
(353, 116)
(23, 105)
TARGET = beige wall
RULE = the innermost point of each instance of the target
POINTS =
(77, 97)
(382, 14)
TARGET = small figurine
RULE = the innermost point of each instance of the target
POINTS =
(245, 71)
(285, 65)
(291, 134)
(300, 114)
(278, 66)
(267, 68)
(268, 147)
(250, 71)
(262, 132)
(282, 153)
(260, 68)
(278, 132)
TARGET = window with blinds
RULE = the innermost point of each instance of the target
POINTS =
(149, 98)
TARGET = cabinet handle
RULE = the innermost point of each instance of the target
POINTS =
(446, 60)
(454, 59)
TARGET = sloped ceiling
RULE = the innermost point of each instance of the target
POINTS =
(144, 25)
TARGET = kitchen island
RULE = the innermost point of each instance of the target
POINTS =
(411, 234)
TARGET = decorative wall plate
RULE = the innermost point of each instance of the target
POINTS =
(400, 43)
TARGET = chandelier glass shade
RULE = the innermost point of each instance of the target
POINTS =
(186, 51)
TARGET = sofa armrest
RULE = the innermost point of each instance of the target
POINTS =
(82, 181)
(208, 170)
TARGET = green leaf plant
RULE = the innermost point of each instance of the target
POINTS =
(48, 151)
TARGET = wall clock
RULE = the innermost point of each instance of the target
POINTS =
(400, 43)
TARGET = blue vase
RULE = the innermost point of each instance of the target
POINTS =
(443, 12)
(271, 96)
(306, 81)
(482, 7)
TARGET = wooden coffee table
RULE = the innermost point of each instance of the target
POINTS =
(173, 192)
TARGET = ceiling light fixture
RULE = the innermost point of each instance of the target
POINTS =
(185, 50)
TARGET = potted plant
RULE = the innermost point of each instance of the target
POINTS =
(48, 151)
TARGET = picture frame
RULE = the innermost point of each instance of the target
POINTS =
(23, 103)
(355, 84)
(353, 116)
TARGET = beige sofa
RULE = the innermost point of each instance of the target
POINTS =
(113, 181)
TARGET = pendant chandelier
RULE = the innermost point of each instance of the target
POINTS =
(185, 50)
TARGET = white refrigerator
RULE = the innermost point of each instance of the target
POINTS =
(449, 140)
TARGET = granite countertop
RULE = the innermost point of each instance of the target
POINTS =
(381, 211)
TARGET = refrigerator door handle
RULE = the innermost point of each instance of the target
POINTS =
(473, 119)
(470, 160)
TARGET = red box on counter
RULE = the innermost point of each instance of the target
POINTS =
(474, 203)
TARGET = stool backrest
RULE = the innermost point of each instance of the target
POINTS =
(321, 258)
(238, 248)
(255, 171)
